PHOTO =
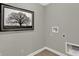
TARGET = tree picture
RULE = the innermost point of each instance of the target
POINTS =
(14, 18)
(19, 18)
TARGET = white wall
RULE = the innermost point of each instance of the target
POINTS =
(24, 42)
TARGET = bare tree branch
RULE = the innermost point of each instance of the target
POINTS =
(19, 18)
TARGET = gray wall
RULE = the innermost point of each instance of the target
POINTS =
(66, 17)
(24, 42)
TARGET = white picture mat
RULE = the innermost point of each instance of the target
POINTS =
(8, 11)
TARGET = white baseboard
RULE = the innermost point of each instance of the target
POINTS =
(49, 49)
(55, 51)
(36, 52)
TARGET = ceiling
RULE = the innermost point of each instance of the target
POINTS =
(44, 4)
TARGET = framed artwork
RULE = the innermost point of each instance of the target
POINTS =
(13, 18)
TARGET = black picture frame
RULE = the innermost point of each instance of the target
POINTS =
(15, 19)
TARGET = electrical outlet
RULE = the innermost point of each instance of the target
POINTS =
(55, 29)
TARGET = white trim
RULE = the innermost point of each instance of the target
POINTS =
(36, 52)
(66, 48)
(49, 49)
(55, 51)
(72, 44)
